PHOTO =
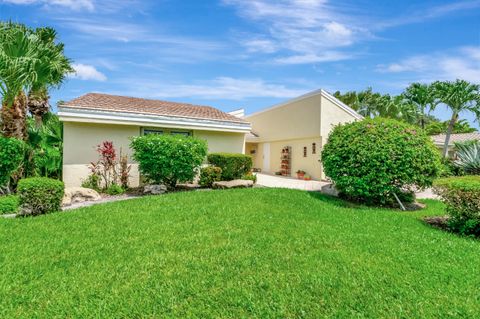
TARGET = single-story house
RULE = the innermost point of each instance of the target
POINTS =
(289, 136)
(94, 118)
(439, 140)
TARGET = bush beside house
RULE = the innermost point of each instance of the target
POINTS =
(11, 156)
(169, 159)
(371, 160)
(40, 195)
(209, 175)
(233, 165)
(8, 204)
(461, 196)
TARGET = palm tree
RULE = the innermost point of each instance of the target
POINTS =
(30, 61)
(459, 96)
(17, 72)
(51, 71)
(421, 96)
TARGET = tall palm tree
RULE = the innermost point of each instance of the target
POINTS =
(422, 97)
(459, 96)
(30, 61)
(17, 73)
(51, 71)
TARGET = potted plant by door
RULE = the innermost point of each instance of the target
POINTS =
(307, 177)
(300, 174)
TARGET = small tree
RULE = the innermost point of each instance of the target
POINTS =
(11, 156)
(374, 159)
(169, 159)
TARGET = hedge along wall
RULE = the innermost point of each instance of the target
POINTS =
(233, 165)
(461, 196)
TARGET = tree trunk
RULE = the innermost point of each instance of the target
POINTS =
(14, 118)
(38, 105)
(449, 132)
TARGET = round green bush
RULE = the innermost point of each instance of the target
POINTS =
(40, 195)
(11, 156)
(371, 160)
(233, 165)
(209, 175)
(8, 204)
(461, 196)
(169, 159)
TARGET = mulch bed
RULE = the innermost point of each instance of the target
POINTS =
(439, 222)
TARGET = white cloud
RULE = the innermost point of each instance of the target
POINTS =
(220, 88)
(301, 31)
(87, 72)
(71, 4)
(463, 63)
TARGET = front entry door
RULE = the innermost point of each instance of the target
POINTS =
(266, 157)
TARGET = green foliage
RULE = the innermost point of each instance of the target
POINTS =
(233, 165)
(168, 159)
(208, 175)
(461, 196)
(11, 156)
(448, 168)
(438, 127)
(114, 189)
(247, 253)
(92, 182)
(371, 160)
(249, 177)
(40, 195)
(468, 157)
(8, 204)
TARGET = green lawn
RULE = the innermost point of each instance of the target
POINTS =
(266, 253)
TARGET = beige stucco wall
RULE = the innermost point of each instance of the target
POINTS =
(81, 139)
(295, 120)
(298, 125)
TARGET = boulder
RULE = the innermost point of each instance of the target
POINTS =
(236, 183)
(78, 195)
(154, 189)
(329, 189)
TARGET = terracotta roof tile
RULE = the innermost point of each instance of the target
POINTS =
(459, 137)
(115, 103)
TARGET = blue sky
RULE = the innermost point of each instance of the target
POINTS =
(255, 53)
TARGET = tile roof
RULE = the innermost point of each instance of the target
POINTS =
(115, 103)
(460, 137)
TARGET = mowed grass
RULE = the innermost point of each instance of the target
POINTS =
(265, 253)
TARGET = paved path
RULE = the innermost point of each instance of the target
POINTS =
(293, 183)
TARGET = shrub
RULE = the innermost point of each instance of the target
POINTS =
(208, 175)
(233, 165)
(8, 204)
(168, 159)
(468, 157)
(250, 177)
(40, 195)
(373, 159)
(461, 196)
(92, 181)
(114, 189)
(11, 156)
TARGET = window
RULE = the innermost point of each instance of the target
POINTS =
(304, 151)
(314, 148)
(180, 133)
(149, 131)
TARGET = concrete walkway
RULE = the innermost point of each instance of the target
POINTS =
(288, 182)
(293, 183)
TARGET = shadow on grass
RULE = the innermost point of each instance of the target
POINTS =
(332, 200)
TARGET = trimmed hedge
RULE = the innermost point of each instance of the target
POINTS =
(8, 204)
(169, 159)
(461, 196)
(233, 165)
(40, 195)
(11, 156)
(209, 175)
(373, 159)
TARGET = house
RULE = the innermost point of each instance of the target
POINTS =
(289, 136)
(94, 118)
(439, 140)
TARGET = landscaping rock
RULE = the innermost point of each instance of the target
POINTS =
(154, 189)
(329, 189)
(79, 195)
(236, 183)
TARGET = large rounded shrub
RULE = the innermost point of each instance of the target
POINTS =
(373, 159)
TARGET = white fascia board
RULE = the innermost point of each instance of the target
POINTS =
(94, 116)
